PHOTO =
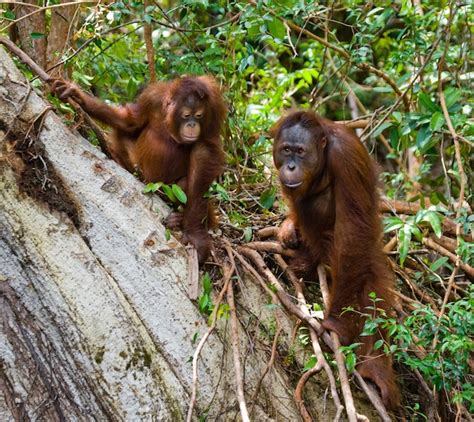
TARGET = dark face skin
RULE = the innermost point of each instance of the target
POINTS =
(296, 157)
(190, 117)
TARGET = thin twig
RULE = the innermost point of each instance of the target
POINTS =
(228, 271)
(286, 301)
(43, 8)
(236, 352)
(230, 253)
(413, 80)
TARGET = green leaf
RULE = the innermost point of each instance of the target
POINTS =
(311, 363)
(152, 187)
(397, 116)
(425, 100)
(179, 193)
(381, 128)
(276, 28)
(203, 302)
(222, 193)
(37, 35)
(147, 18)
(437, 197)
(307, 76)
(206, 283)
(267, 198)
(431, 217)
(437, 121)
(378, 344)
(168, 191)
(451, 95)
(422, 139)
(8, 14)
(435, 266)
(404, 238)
(350, 361)
(167, 234)
(382, 89)
(392, 223)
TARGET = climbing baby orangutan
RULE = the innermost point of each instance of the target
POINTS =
(171, 134)
(330, 184)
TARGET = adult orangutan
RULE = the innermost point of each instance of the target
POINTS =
(171, 134)
(330, 184)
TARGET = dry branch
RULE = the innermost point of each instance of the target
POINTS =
(428, 241)
(46, 78)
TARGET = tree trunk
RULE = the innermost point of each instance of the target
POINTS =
(34, 46)
(95, 321)
(63, 21)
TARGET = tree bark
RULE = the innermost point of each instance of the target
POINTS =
(95, 322)
(34, 47)
(63, 21)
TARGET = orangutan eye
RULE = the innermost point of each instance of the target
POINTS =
(186, 113)
(286, 150)
(198, 115)
(300, 151)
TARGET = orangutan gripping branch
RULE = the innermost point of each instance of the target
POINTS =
(171, 134)
(330, 184)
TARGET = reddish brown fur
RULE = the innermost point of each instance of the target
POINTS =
(337, 222)
(146, 139)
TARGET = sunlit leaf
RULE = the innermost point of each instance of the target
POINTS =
(311, 362)
(179, 194)
(437, 121)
